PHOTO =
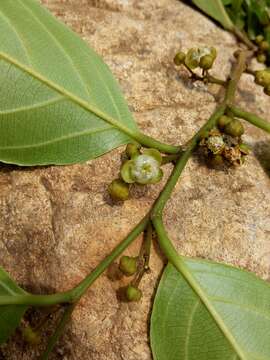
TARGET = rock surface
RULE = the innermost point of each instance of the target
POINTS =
(57, 223)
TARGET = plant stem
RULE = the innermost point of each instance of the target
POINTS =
(157, 211)
(170, 159)
(251, 118)
(58, 331)
(37, 300)
(235, 77)
(74, 294)
(166, 192)
(80, 289)
(242, 36)
(164, 241)
(144, 256)
(212, 79)
(206, 78)
(150, 142)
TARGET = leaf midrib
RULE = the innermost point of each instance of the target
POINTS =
(183, 268)
(59, 45)
(74, 98)
(72, 62)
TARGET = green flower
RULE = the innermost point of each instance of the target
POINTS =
(194, 55)
(143, 169)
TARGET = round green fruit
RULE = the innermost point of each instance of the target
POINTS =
(206, 62)
(179, 58)
(119, 190)
(133, 150)
(133, 293)
(223, 121)
(234, 128)
(128, 265)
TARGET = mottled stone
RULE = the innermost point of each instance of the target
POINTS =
(57, 223)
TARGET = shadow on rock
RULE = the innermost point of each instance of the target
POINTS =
(262, 153)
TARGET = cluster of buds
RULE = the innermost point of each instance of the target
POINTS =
(142, 167)
(197, 57)
(263, 46)
(129, 266)
(262, 78)
(224, 143)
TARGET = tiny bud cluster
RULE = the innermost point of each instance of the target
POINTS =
(262, 78)
(224, 144)
(263, 48)
(203, 58)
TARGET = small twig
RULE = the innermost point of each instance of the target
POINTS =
(237, 71)
(206, 78)
(144, 256)
(244, 39)
(58, 331)
(251, 118)
(170, 159)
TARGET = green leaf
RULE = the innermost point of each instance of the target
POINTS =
(224, 316)
(59, 102)
(216, 10)
(10, 315)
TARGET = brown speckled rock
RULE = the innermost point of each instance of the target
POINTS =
(57, 223)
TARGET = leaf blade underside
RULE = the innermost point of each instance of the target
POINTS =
(182, 326)
(59, 102)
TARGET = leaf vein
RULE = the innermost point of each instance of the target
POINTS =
(76, 69)
(21, 40)
(55, 140)
(34, 106)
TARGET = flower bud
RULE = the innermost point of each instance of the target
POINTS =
(133, 150)
(259, 39)
(264, 45)
(179, 58)
(206, 62)
(223, 121)
(234, 128)
(133, 293)
(213, 52)
(31, 336)
(262, 77)
(128, 265)
(261, 58)
(192, 58)
(119, 190)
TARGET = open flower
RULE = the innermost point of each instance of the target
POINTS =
(143, 169)
(194, 55)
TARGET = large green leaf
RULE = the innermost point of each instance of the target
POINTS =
(59, 102)
(216, 10)
(231, 322)
(10, 315)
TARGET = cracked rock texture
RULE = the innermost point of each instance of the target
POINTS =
(57, 223)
